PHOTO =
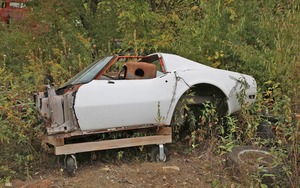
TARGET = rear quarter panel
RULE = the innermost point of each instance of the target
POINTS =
(226, 81)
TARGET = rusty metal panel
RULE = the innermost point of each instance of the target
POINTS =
(56, 110)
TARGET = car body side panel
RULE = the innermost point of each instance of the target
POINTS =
(226, 81)
(103, 104)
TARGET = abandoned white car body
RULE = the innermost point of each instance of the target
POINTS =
(132, 91)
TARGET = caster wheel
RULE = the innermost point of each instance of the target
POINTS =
(155, 155)
(71, 165)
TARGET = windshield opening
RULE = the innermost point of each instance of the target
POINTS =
(87, 74)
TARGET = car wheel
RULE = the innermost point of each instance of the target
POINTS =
(250, 160)
(155, 154)
(71, 165)
(264, 130)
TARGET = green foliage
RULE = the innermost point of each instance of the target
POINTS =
(159, 119)
(120, 155)
(271, 102)
(18, 138)
(206, 126)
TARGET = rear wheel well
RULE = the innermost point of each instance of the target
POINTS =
(207, 90)
(197, 95)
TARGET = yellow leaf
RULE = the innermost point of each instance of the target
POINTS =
(216, 64)
(216, 56)
(194, 7)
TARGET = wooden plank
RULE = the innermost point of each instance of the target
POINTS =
(55, 141)
(164, 131)
(112, 144)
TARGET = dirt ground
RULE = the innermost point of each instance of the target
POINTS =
(185, 168)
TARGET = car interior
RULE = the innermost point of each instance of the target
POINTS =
(145, 68)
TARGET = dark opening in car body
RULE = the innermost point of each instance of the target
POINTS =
(127, 92)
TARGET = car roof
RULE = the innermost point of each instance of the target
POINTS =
(174, 62)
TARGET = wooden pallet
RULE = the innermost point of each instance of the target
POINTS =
(162, 135)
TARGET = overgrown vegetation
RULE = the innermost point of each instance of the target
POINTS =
(204, 128)
(260, 38)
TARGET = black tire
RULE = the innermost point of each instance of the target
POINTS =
(264, 130)
(248, 160)
(70, 166)
(155, 154)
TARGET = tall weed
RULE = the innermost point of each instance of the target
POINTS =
(18, 138)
